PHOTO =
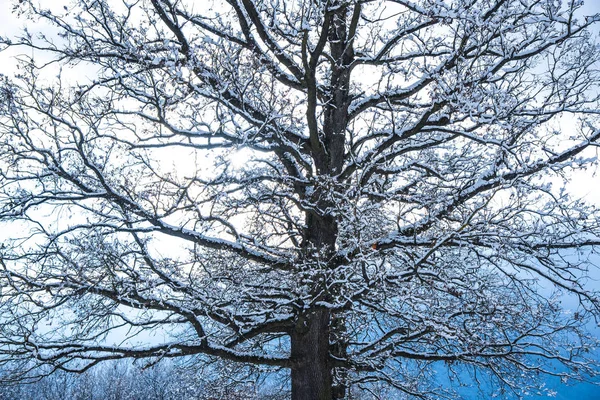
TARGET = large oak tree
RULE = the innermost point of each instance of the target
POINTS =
(362, 192)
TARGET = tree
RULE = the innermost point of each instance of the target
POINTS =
(357, 191)
(119, 380)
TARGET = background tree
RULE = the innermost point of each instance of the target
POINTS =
(355, 191)
(120, 380)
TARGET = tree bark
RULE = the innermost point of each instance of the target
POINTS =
(311, 370)
(319, 334)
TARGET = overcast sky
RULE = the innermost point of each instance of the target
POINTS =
(10, 25)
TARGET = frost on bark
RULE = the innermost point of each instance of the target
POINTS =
(362, 193)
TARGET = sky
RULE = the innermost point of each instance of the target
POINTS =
(581, 182)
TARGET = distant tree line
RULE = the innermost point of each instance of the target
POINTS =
(123, 380)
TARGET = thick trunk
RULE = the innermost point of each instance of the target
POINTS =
(311, 372)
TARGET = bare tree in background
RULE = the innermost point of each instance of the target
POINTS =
(362, 192)
(120, 380)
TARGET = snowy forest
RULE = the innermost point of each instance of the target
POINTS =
(299, 199)
(165, 381)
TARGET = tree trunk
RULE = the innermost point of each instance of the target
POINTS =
(311, 371)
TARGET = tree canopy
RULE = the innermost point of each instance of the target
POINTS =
(362, 192)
